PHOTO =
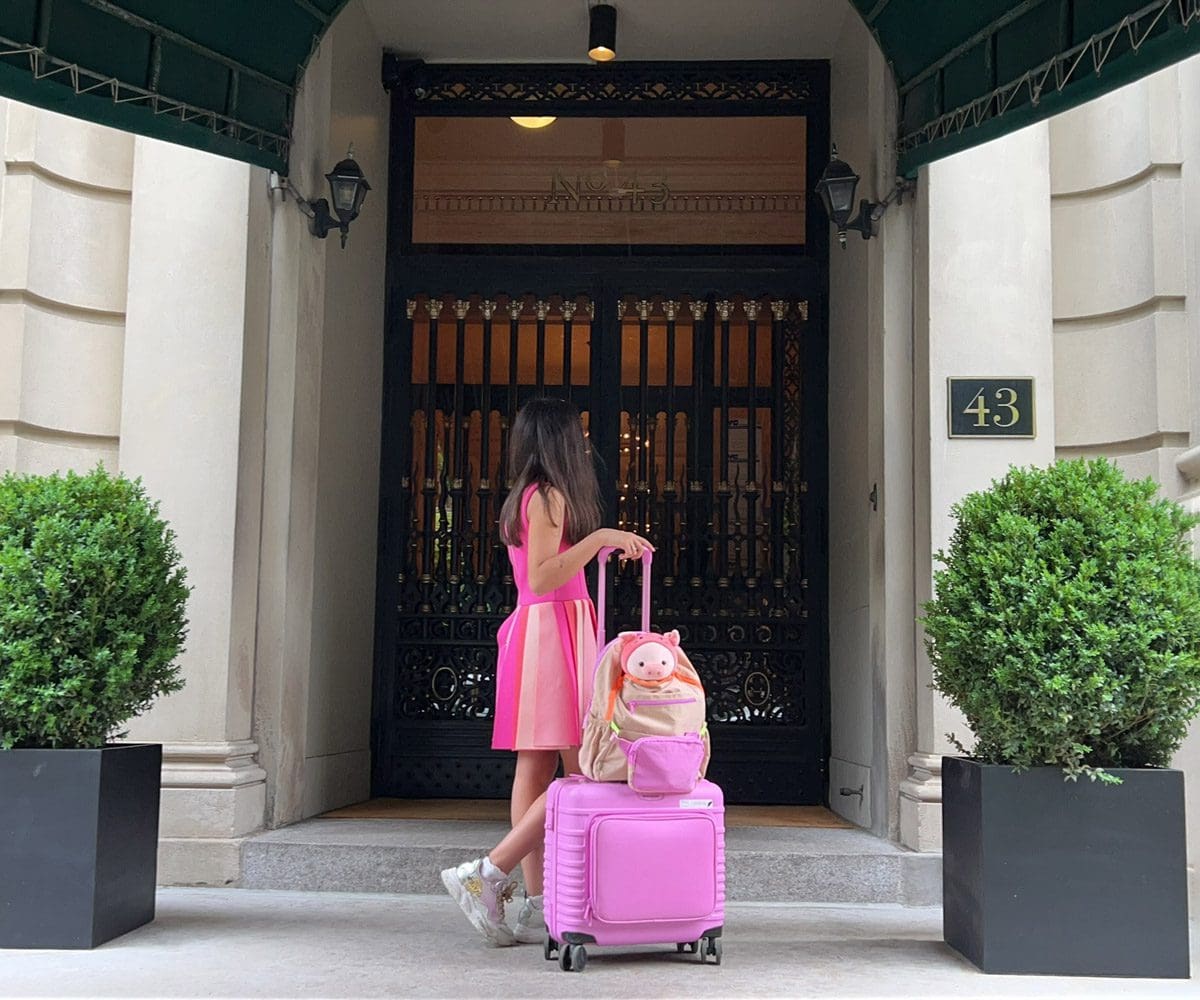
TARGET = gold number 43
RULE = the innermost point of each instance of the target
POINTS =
(980, 409)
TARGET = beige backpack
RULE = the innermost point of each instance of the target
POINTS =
(646, 723)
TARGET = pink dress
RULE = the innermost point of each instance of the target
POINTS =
(547, 653)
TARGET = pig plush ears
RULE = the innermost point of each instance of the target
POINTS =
(649, 657)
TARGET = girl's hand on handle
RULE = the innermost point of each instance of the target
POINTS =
(630, 546)
(549, 568)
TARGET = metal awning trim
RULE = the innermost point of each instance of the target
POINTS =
(42, 66)
(1061, 69)
(192, 81)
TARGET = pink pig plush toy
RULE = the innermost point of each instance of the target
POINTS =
(650, 659)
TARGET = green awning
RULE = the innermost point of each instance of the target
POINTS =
(218, 75)
(221, 75)
(971, 70)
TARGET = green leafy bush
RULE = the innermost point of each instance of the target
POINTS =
(92, 604)
(1066, 621)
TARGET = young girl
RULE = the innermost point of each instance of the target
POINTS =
(551, 525)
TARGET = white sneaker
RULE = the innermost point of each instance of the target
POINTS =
(531, 922)
(482, 899)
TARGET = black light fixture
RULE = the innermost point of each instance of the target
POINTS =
(602, 32)
(347, 189)
(837, 187)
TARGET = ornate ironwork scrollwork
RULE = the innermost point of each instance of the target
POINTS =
(747, 87)
(729, 572)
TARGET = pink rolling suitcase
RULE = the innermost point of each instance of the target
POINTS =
(623, 868)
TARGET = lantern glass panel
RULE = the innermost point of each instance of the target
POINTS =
(345, 190)
(841, 194)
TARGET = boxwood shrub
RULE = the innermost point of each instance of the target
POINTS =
(1066, 620)
(92, 608)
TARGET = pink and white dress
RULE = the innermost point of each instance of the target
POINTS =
(547, 652)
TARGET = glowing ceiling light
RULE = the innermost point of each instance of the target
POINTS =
(534, 121)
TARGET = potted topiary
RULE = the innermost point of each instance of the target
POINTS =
(1066, 628)
(92, 604)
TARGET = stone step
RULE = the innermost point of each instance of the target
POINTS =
(763, 864)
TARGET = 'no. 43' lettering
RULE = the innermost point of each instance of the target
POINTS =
(980, 408)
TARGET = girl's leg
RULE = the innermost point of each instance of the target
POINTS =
(481, 894)
(522, 842)
(535, 771)
(525, 842)
(570, 760)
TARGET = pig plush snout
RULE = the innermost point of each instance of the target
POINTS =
(651, 661)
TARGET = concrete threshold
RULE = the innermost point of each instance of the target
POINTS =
(763, 864)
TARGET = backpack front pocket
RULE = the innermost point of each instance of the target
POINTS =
(664, 765)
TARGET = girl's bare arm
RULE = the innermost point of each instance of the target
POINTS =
(550, 569)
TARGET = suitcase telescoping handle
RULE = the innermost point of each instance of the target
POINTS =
(603, 557)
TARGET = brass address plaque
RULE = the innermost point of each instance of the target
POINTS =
(991, 407)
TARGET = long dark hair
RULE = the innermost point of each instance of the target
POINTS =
(547, 447)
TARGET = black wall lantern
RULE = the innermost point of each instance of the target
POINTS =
(347, 190)
(837, 187)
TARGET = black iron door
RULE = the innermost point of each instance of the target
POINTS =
(702, 392)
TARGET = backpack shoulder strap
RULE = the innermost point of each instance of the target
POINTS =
(618, 683)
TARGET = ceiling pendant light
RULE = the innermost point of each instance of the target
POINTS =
(534, 121)
(602, 33)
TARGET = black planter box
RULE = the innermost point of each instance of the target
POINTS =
(1055, 877)
(78, 844)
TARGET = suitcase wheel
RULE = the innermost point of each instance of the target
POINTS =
(704, 948)
(572, 958)
(549, 948)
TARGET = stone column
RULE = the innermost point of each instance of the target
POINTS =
(287, 584)
(316, 610)
(64, 239)
(1188, 757)
(870, 458)
(1187, 93)
(192, 428)
(982, 306)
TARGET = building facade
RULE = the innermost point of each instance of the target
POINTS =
(167, 313)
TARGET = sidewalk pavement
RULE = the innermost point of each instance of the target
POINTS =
(246, 943)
